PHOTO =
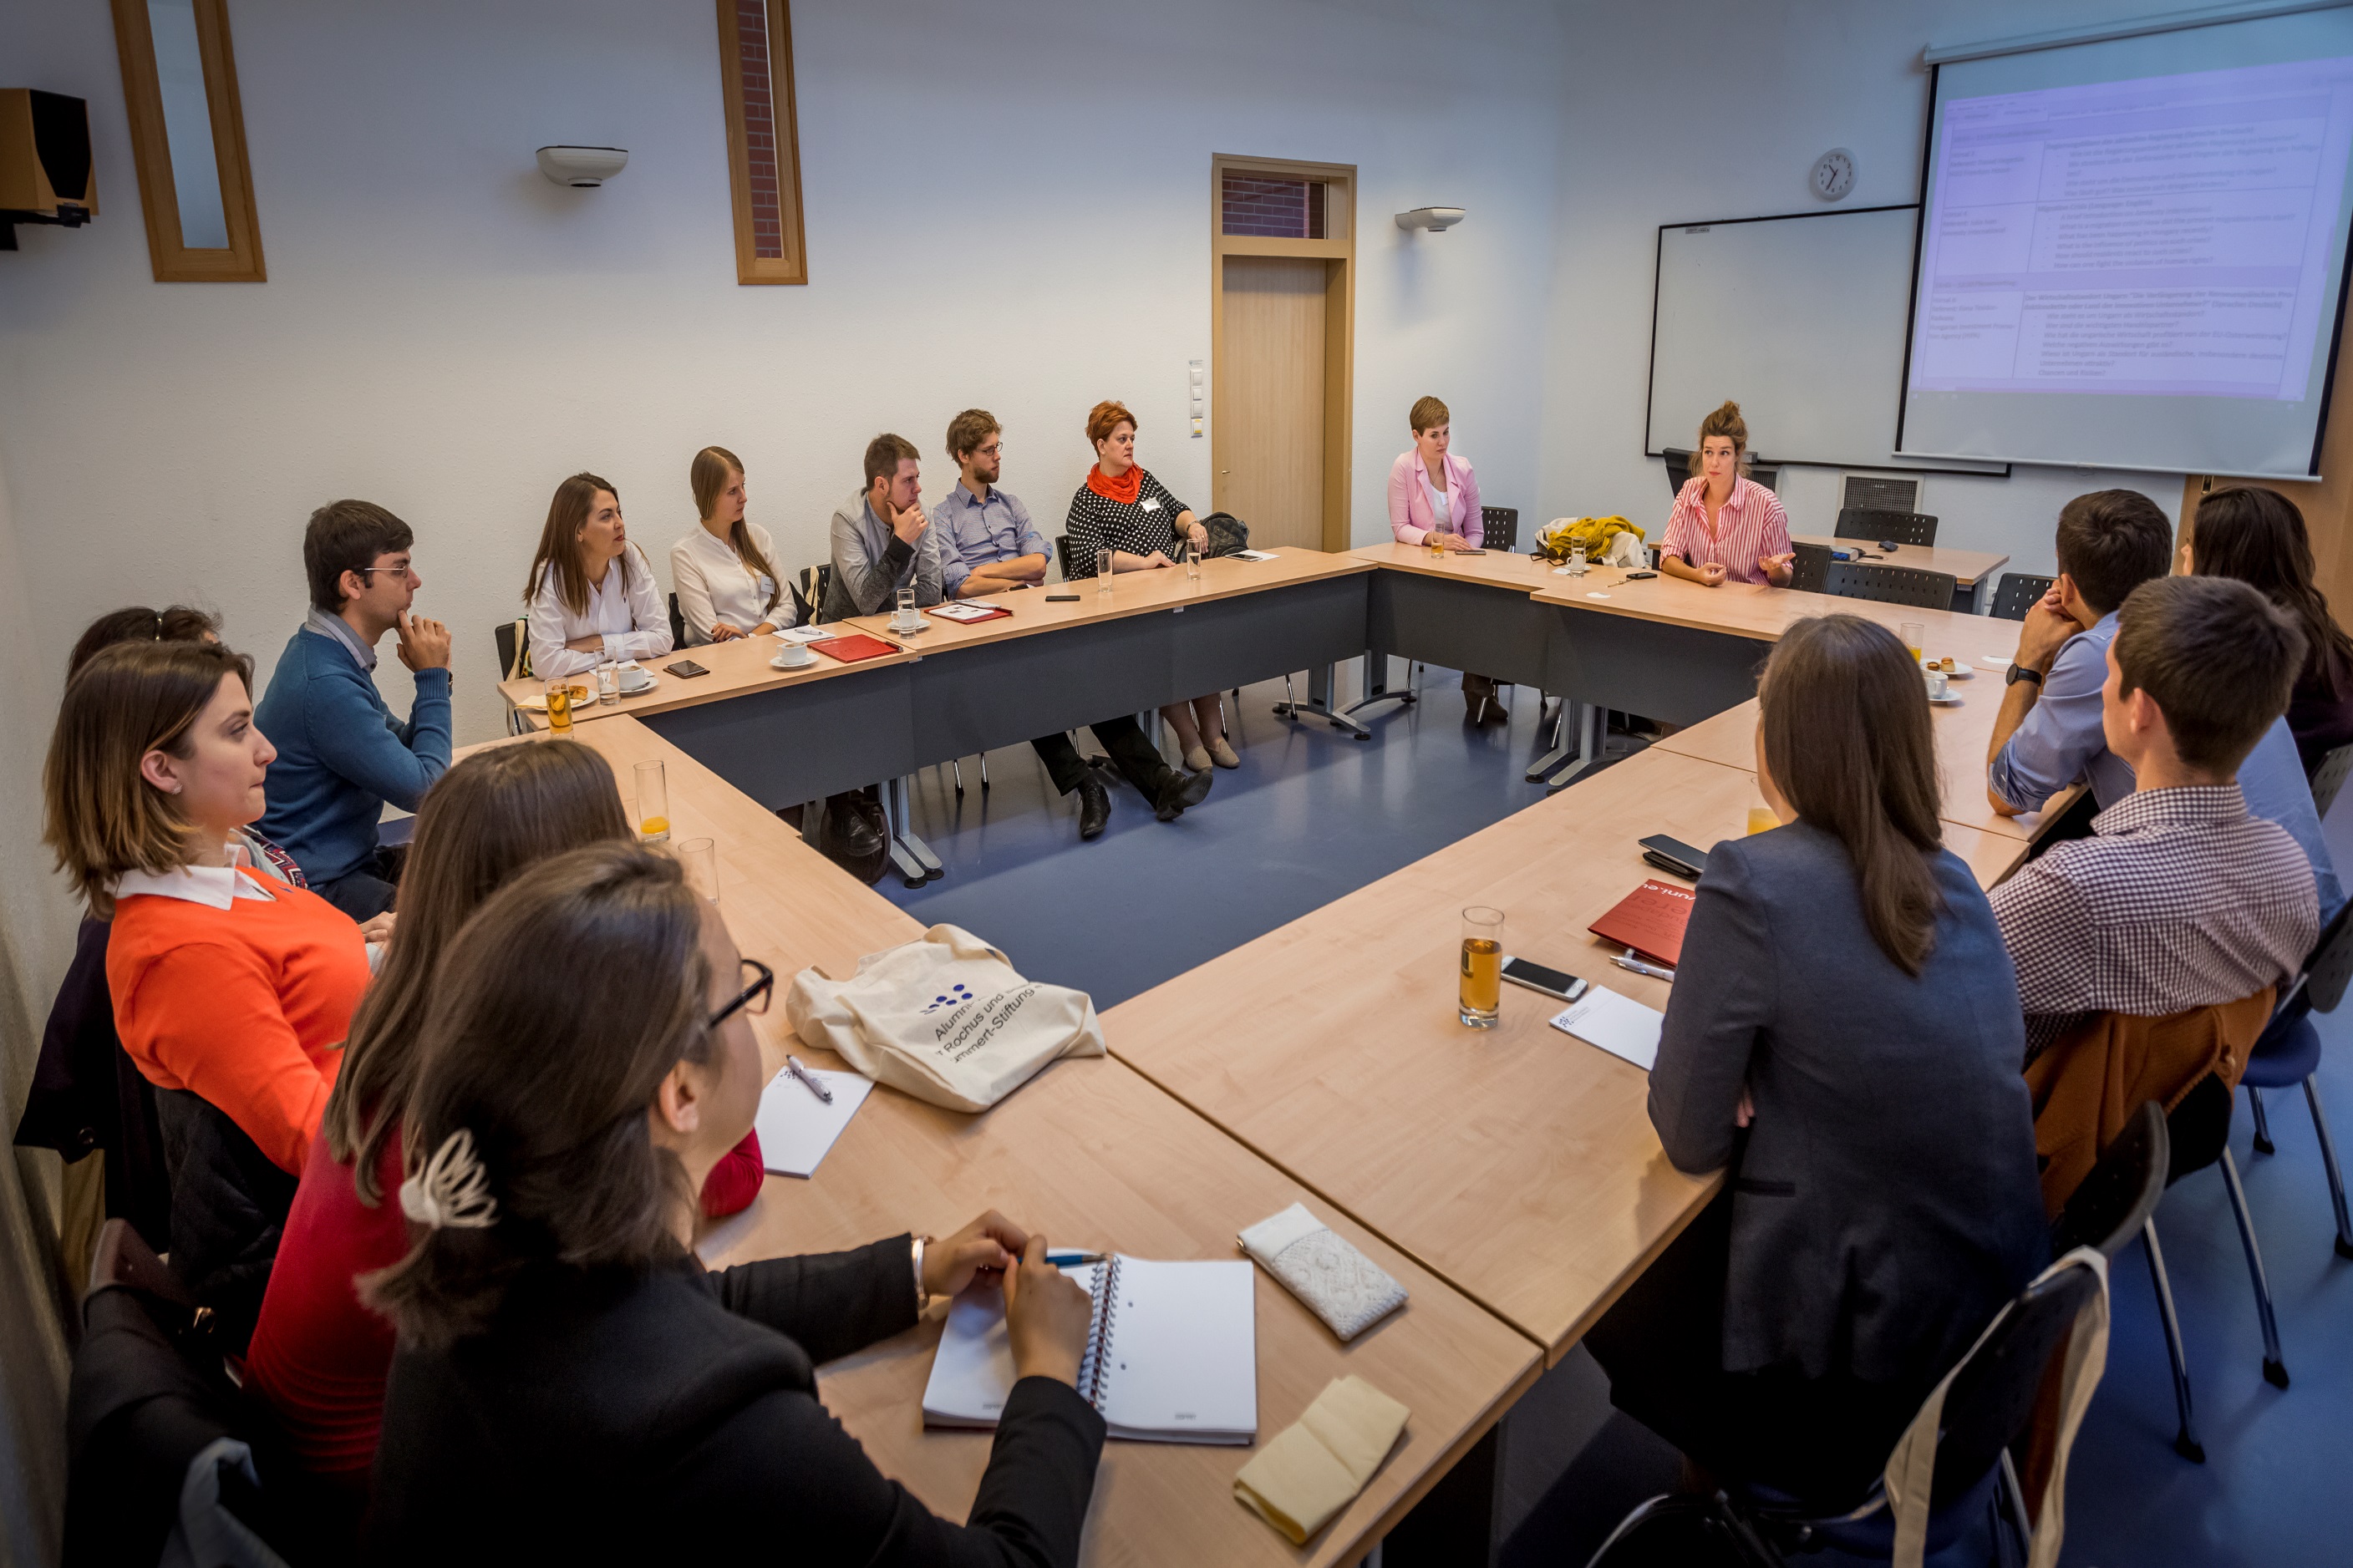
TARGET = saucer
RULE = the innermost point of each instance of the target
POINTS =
(785, 660)
(1950, 699)
(651, 682)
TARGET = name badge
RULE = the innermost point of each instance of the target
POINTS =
(1151, 503)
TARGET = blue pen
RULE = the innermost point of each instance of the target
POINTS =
(1066, 1259)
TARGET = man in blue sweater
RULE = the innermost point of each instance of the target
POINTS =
(341, 753)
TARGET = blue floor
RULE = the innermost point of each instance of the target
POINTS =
(1312, 814)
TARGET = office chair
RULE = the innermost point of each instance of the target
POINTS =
(1895, 527)
(1679, 470)
(1499, 527)
(2288, 1054)
(1811, 568)
(2329, 777)
(1889, 585)
(2016, 593)
(677, 624)
(1063, 553)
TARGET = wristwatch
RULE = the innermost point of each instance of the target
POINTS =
(923, 1296)
(2019, 672)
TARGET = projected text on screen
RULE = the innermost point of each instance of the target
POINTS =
(2169, 235)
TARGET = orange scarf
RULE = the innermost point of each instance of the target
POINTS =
(1123, 489)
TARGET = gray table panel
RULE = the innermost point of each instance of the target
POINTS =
(1678, 674)
(1493, 629)
(793, 743)
(1001, 694)
(1227, 643)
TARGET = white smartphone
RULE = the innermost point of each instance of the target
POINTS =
(1537, 977)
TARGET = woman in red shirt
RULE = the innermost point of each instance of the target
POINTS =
(232, 990)
(318, 1356)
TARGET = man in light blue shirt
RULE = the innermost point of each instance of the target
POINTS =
(986, 541)
(2048, 734)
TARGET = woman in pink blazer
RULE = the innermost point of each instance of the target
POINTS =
(1434, 500)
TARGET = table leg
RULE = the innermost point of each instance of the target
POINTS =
(1377, 685)
(1589, 739)
(1319, 705)
(1559, 753)
(913, 858)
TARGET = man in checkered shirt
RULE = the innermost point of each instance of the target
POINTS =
(2179, 898)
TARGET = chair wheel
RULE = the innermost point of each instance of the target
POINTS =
(2190, 1449)
(2275, 1373)
(2343, 1248)
(2265, 1146)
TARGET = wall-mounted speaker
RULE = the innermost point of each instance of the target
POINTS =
(44, 173)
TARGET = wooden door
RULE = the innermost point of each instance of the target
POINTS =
(1269, 442)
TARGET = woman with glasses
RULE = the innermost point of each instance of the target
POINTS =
(318, 1357)
(571, 1382)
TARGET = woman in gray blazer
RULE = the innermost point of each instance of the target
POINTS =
(1845, 1036)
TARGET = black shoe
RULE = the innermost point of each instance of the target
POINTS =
(1495, 713)
(1178, 790)
(850, 841)
(1094, 807)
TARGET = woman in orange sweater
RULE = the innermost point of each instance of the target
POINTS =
(232, 991)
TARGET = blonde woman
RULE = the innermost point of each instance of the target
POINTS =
(1726, 528)
(592, 596)
(723, 571)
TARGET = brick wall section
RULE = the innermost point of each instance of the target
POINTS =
(759, 128)
(1273, 208)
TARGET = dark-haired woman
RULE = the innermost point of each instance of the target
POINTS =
(592, 597)
(723, 571)
(232, 990)
(2258, 536)
(1725, 526)
(1844, 1035)
(571, 1384)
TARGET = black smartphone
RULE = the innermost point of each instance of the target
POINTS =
(1674, 856)
(1061, 598)
(1638, 576)
(1537, 977)
(686, 669)
(1890, 546)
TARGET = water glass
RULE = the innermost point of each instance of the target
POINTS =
(1481, 993)
(906, 620)
(699, 857)
(559, 707)
(653, 802)
(609, 683)
(1915, 637)
(1577, 561)
(1103, 571)
(1192, 557)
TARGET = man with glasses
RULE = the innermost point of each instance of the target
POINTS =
(987, 545)
(340, 752)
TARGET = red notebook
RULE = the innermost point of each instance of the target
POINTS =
(851, 646)
(1650, 919)
(967, 613)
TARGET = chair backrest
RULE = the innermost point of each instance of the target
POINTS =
(2199, 1128)
(1896, 527)
(677, 624)
(1499, 527)
(2331, 963)
(1062, 554)
(2122, 1191)
(810, 590)
(507, 635)
(2016, 593)
(1889, 585)
(1761, 474)
(2329, 777)
(1688, 1529)
(1811, 568)
(1992, 1396)
(1679, 470)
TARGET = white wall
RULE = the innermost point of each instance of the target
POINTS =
(1005, 207)
(1695, 109)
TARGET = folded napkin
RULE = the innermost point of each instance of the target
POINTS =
(1340, 1285)
(1317, 1465)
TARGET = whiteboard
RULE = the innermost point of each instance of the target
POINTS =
(1801, 320)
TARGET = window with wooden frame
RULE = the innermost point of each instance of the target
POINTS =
(763, 151)
(188, 138)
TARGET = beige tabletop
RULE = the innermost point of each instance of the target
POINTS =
(738, 665)
(1495, 566)
(1967, 567)
(1093, 1155)
(1761, 611)
(1131, 594)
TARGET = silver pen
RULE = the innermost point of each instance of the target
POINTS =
(799, 1069)
(1638, 967)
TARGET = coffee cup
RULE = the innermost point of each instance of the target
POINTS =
(634, 677)
(793, 656)
(1939, 686)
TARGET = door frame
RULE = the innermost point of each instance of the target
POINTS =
(1338, 253)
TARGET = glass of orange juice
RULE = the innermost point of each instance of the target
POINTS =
(1915, 637)
(1480, 999)
(1763, 819)
(559, 707)
(653, 802)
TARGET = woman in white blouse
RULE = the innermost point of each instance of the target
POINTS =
(723, 571)
(591, 593)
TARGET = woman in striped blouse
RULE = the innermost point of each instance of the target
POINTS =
(1726, 528)
(1124, 510)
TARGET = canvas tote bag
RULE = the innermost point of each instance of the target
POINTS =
(946, 1018)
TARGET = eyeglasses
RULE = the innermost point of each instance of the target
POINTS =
(754, 997)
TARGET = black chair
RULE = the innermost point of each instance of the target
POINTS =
(507, 635)
(2329, 777)
(1499, 527)
(1889, 585)
(1679, 471)
(1895, 527)
(1811, 568)
(809, 591)
(1063, 553)
(2016, 593)
(677, 624)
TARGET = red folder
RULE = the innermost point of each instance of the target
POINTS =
(852, 646)
(1650, 919)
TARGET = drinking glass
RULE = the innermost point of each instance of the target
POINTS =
(1577, 561)
(1437, 545)
(1191, 553)
(1915, 637)
(1481, 1000)
(653, 802)
(609, 683)
(1762, 819)
(559, 707)
(700, 858)
(905, 621)
(1103, 571)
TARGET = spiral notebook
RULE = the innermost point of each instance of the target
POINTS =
(1172, 1352)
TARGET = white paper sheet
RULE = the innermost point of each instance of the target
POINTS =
(805, 634)
(1619, 1024)
(1250, 555)
(796, 1127)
